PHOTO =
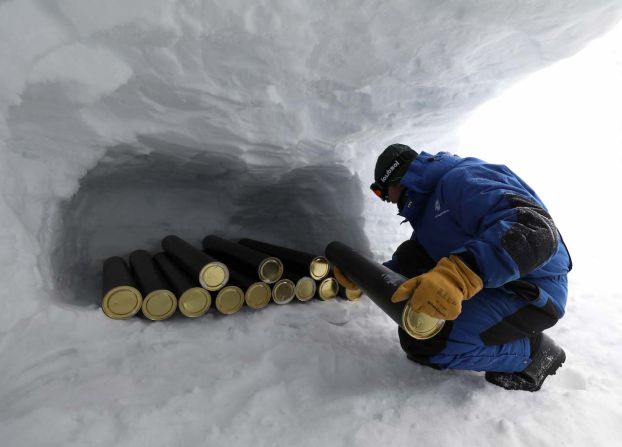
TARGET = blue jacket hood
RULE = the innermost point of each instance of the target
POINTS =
(421, 179)
(426, 170)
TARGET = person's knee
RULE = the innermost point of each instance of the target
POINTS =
(420, 351)
(415, 350)
(526, 322)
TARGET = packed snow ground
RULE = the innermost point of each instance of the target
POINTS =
(126, 121)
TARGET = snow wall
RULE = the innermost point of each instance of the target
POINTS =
(124, 121)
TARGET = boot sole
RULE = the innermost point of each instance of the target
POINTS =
(525, 384)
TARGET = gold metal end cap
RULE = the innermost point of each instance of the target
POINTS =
(319, 268)
(159, 305)
(419, 325)
(195, 302)
(270, 270)
(122, 302)
(283, 291)
(214, 276)
(328, 289)
(258, 295)
(229, 300)
(305, 289)
(354, 294)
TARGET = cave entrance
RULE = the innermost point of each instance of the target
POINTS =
(136, 195)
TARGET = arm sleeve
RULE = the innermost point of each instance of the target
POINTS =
(511, 233)
(392, 264)
(410, 259)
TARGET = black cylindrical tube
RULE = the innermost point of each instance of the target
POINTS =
(350, 295)
(293, 260)
(121, 297)
(283, 291)
(148, 277)
(229, 300)
(211, 274)
(305, 286)
(160, 302)
(238, 279)
(193, 300)
(248, 261)
(116, 273)
(179, 281)
(257, 294)
(327, 288)
(379, 283)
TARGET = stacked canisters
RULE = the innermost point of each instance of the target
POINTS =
(159, 302)
(308, 273)
(193, 301)
(225, 275)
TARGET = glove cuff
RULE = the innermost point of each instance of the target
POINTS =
(467, 279)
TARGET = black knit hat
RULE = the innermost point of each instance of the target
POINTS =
(393, 163)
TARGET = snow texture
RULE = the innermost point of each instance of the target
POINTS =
(127, 120)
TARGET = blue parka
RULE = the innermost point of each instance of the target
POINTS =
(489, 216)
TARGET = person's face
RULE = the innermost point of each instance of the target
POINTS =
(394, 191)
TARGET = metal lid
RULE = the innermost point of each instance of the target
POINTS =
(319, 268)
(258, 295)
(159, 305)
(214, 276)
(353, 294)
(283, 291)
(305, 288)
(419, 325)
(195, 302)
(122, 302)
(270, 270)
(328, 288)
(229, 300)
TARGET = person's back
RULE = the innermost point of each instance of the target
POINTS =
(491, 213)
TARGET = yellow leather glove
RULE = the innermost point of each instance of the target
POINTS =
(439, 293)
(343, 279)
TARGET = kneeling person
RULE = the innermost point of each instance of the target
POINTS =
(484, 255)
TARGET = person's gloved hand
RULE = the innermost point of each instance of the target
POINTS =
(343, 279)
(439, 293)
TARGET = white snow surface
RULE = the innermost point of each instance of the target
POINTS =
(127, 120)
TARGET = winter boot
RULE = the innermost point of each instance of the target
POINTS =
(546, 358)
